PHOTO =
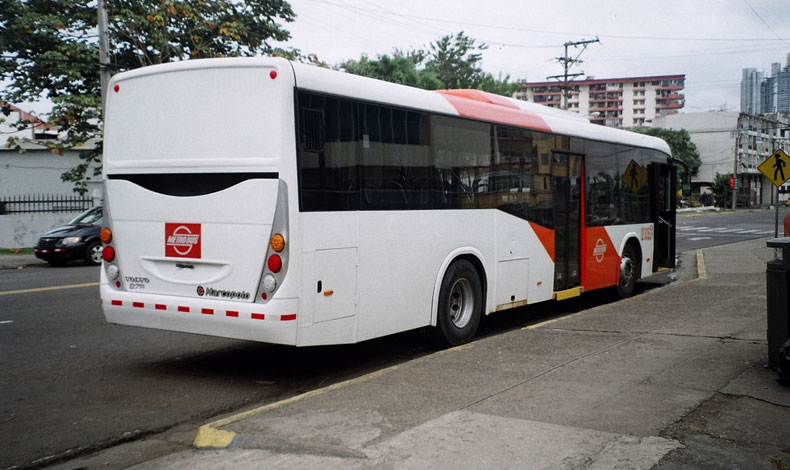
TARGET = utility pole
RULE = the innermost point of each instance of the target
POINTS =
(567, 62)
(104, 54)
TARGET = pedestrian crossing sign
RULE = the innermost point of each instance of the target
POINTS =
(776, 168)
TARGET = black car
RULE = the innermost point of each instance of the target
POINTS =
(77, 240)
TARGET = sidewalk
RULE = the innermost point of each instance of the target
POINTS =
(671, 378)
(19, 261)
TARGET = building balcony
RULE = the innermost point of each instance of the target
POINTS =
(670, 87)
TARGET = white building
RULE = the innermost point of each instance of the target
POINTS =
(717, 135)
(613, 102)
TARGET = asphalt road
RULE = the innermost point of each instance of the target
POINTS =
(706, 229)
(72, 383)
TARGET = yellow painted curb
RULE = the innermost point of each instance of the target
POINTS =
(210, 437)
(702, 272)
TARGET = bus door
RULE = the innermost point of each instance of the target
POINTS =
(663, 193)
(567, 190)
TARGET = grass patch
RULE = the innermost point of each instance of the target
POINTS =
(16, 251)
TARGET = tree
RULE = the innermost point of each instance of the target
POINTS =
(50, 50)
(680, 145)
(721, 189)
(451, 62)
(456, 61)
(401, 67)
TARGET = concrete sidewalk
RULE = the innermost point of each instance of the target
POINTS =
(19, 261)
(671, 378)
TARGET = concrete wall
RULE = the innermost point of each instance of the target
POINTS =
(713, 134)
(22, 230)
(37, 171)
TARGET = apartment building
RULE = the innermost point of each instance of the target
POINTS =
(613, 102)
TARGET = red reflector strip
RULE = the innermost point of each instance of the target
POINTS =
(231, 313)
(117, 302)
(161, 307)
(207, 311)
(289, 317)
(138, 305)
(183, 309)
(258, 316)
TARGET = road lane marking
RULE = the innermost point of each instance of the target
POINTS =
(696, 239)
(5, 322)
(42, 289)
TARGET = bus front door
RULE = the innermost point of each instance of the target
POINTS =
(566, 189)
(663, 194)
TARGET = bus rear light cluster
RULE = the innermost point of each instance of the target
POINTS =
(277, 252)
(108, 255)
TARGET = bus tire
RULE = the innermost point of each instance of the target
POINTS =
(460, 305)
(630, 267)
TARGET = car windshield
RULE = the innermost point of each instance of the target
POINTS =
(89, 217)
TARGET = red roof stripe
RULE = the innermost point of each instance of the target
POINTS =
(289, 317)
(258, 316)
(486, 110)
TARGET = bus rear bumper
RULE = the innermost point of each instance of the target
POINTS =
(275, 322)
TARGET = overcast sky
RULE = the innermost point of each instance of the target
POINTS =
(710, 41)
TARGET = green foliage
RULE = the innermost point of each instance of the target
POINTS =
(450, 62)
(721, 189)
(680, 145)
(50, 50)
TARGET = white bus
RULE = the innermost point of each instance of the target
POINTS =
(273, 201)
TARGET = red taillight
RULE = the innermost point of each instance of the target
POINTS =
(108, 254)
(273, 74)
(275, 263)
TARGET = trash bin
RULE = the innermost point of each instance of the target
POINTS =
(778, 296)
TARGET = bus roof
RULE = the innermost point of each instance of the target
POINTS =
(473, 104)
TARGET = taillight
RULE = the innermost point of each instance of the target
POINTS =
(108, 254)
(275, 263)
(105, 235)
(277, 242)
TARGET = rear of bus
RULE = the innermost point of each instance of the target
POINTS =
(198, 157)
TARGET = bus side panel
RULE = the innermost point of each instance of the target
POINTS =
(604, 246)
(329, 278)
(518, 244)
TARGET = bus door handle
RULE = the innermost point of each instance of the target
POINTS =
(319, 287)
(661, 219)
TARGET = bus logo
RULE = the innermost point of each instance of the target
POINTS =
(182, 240)
(599, 250)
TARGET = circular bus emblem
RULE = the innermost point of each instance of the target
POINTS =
(599, 250)
(182, 240)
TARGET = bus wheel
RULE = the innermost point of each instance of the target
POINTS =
(460, 305)
(629, 272)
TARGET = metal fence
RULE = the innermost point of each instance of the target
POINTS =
(44, 203)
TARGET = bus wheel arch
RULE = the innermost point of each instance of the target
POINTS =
(460, 301)
(630, 267)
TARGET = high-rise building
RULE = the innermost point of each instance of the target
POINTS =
(613, 102)
(763, 95)
(751, 84)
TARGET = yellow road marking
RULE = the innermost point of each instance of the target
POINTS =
(42, 289)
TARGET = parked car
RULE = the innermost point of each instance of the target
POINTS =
(77, 240)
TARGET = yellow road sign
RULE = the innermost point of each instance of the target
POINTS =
(635, 177)
(776, 168)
